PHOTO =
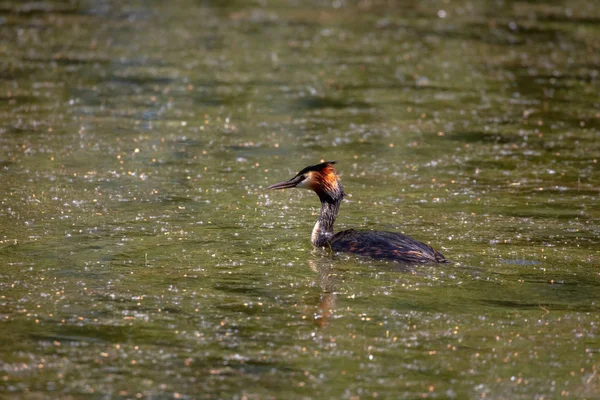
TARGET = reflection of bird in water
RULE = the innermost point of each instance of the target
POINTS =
(325, 182)
(324, 267)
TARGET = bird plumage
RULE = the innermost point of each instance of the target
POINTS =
(385, 245)
(325, 182)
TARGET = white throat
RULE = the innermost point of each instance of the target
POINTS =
(319, 237)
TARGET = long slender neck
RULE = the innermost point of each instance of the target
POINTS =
(323, 230)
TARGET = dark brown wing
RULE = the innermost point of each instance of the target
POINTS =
(385, 245)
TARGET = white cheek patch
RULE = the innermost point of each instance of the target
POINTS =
(305, 184)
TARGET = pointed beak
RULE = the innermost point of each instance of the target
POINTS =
(287, 184)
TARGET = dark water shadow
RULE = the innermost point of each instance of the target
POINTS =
(481, 137)
(88, 334)
(319, 102)
(141, 80)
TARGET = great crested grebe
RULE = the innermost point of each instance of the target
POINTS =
(325, 182)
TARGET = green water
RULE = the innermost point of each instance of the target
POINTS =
(142, 257)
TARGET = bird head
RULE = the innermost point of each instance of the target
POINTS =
(322, 179)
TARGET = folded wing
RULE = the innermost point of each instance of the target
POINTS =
(385, 245)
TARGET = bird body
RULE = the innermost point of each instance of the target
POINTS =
(385, 245)
(325, 182)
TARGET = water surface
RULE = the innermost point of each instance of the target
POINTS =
(142, 257)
